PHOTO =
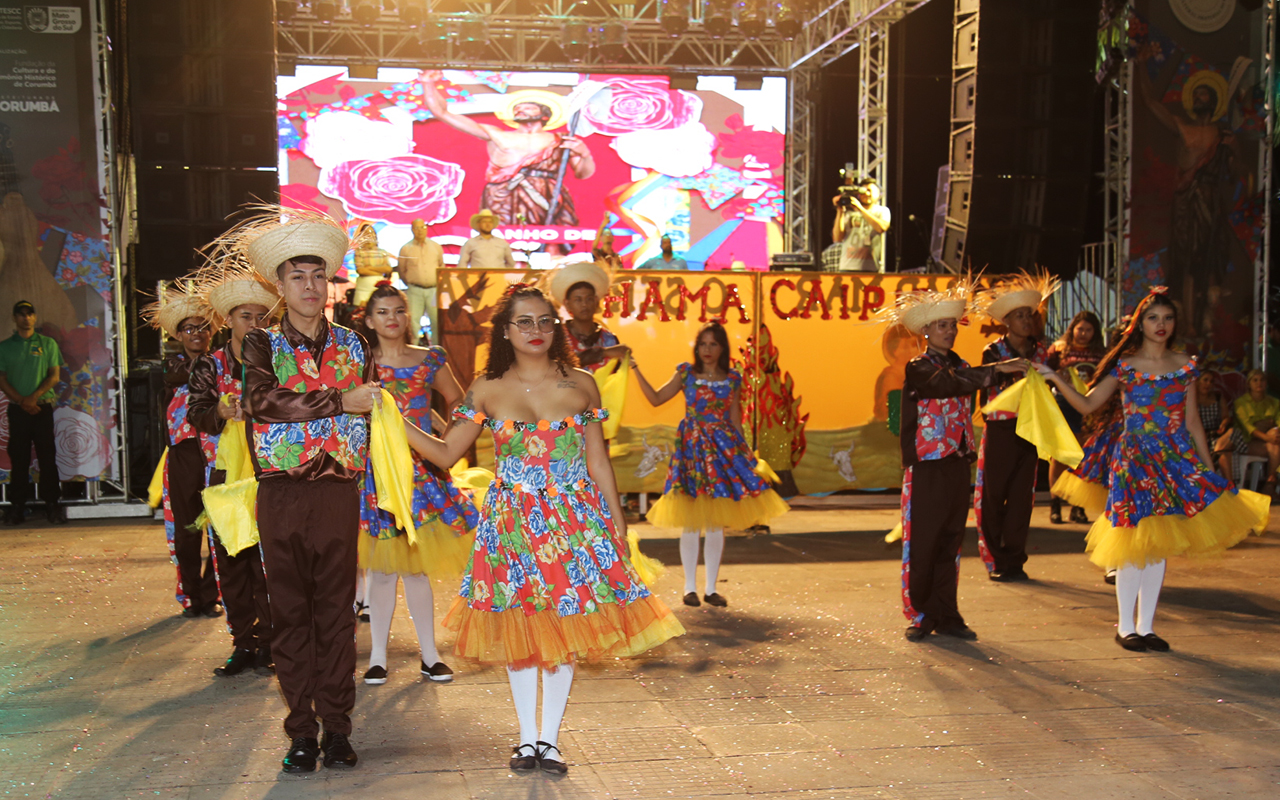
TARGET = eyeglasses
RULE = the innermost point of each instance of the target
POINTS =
(192, 330)
(528, 325)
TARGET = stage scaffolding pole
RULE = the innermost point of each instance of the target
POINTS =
(1262, 264)
(802, 84)
(1116, 186)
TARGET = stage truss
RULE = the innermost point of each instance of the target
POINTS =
(523, 36)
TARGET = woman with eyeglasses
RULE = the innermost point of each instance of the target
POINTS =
(550, 580)
(444, 518)
(711, 482)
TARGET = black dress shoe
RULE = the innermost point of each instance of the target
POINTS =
(241, 659)
(1154, 642)
(1019, 574)
(362, 612)
(1110, 577)
(263, 662)
(438, 672)
(376, 676)
(1132, 642)
(302, 755)
(916, 633)
(56, 514)
(959, 632)
(190, 612)
(691, 599)
(14, 515)
(555, 766)
(715, 599)
(1001, 576)
(337, 751)
(1078, 515)
(212, 610)
(524, 758)
(1055, 511)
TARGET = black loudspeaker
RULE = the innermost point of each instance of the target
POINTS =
(1021, 134)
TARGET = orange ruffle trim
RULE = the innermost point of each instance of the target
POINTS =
(675, 509)
(545, 639)
(1090, 496)
(440, 552)
(1222, 524)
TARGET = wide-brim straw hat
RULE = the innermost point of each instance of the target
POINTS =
(1024, 290)
(229, 295)
(562, 278)
(272, 248)
(483, 213)
(921, 315)
(177, 306)
(916, 310)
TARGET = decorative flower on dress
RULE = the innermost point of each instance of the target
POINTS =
(396, 190)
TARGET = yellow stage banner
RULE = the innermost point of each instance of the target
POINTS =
(821, 379)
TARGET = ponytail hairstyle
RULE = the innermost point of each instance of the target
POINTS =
(382, 290)
(1131, 338)
(718, 333)
(501, 352)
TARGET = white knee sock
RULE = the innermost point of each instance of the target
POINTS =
(1128, 579)
(1148, 595)
(362, 579)
(381, 597)
(524, 693)
(712, 549)
(689, 560)
(417, 596)
(555, 695)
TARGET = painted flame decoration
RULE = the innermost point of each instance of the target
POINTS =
(770, 399)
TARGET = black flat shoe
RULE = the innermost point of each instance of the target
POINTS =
(1132, 642)
(213, 610)
(338, 753)
(376, 676)
(1055, 511)
(959, 632)
(241, 659)
(1154, 642)
(56, 514)
(691, 599)
(302, 756)
(916, 633)
(1078, 515)
(520, 762)
(1002, 577)
(1110, 577)
(438, 672)
(15, 515)
(548, 764)
(263, 663)
(362, 612)
(715, 599)
(190, 612)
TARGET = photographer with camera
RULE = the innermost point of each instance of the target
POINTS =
(861, 221)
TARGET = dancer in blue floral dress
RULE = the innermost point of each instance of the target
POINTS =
(1163, 499)
(712, 483)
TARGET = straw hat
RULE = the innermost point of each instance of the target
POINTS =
(272, 234)
(179, 303)
(231, 294)
(484, 213)
(915, 310)
(1024, 290)
(559, 280)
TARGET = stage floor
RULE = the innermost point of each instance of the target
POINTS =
(803, 687)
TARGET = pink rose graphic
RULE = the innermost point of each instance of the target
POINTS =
(642, 104)
(395, 190)
(83, 449)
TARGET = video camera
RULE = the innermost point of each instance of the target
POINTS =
(859, 188)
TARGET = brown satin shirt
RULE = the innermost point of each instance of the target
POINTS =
(269, 402)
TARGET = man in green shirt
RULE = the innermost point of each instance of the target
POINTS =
(30, 366)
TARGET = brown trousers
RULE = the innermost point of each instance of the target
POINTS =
(935, 505)
(1007, 495)
(185, 464)
(243, 586)
(309, 531)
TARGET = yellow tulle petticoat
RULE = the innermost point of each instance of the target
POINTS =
(547, 640)
(439, 552)
(675, 509)
(1090, 496)
(1222, 524)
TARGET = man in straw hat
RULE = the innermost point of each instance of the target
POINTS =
(30, 367)
(246, 303)
(578, 287)
(185, 316)
(937, 449)
(484, 250)
(308, 387)
(1005, 492)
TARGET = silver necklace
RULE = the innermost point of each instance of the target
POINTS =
(536, 385)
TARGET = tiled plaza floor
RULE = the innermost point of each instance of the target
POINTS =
(803, 687)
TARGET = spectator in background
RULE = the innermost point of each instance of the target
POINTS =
(484, 250)
(1256, 431)
(668, 259)
(30, 366)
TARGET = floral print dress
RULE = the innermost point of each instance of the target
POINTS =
(550, 580)
(444, 517)
(712, 482)
(1162, 500)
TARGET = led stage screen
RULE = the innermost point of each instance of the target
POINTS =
(703, 166)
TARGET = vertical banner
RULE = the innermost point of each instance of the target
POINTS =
(1199, 122)
(821, 379)
(52, 220)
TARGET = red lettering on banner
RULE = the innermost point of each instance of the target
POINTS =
(872, 300)
(686, 296)
(653, 298)
(773, 299)
(624, 300)
(844, 301)
(731, 299)
(816, 297)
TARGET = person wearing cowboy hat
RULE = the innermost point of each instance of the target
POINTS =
(1006, 480)
(185, 316)
(308, 388)
(30, 367)
(246, 303)
(578, 287)
(484, 250)
(937, 449)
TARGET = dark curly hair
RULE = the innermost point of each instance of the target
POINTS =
(502, 355)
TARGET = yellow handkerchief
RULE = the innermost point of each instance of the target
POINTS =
(233, 452)
(476, 480)
(765, 471)
(613, 392)
(155, 492)
(1040, 421)
(392, 463)
(233, 512)
(1076, 381)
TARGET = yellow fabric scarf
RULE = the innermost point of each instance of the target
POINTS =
(155, 491)
(1040, 421)
(611, 379)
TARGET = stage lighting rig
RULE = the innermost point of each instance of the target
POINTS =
(366, 12)
(753, 18)
(674, 17)
(325, 10)
(575, 39)
(286, 9)
(413, 12)
(473, 36)
(717, 18)
(612, 41)
(788, 20)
